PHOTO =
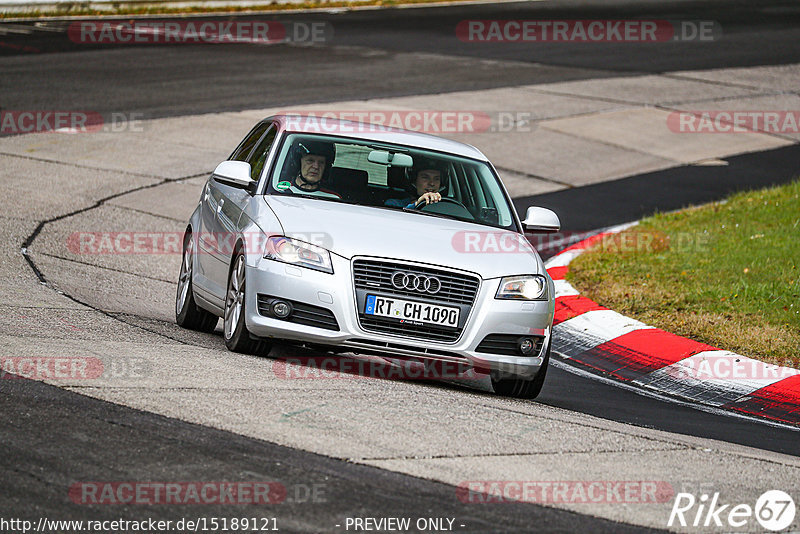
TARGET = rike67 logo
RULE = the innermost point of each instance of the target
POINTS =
(774, 510)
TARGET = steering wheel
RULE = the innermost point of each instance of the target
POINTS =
(421, 204)
(447, 206)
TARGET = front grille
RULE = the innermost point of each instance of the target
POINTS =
(429, 332)
(302, 313)
(506, 344)
(375, 275)
(455, 289)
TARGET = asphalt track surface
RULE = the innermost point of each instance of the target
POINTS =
(379, 53)
(56, 437)
(53, 437)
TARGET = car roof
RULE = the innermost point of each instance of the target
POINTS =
(361, 130)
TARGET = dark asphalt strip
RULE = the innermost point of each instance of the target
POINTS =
(375, 54)
(565, 390)
(54, 439)
(743, 29)
(168, 81)
(629, 199)
(747, 34)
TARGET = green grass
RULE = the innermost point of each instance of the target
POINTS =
(79, 8)
(727, 274)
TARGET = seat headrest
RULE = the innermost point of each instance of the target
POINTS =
(396, 178)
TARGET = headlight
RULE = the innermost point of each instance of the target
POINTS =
(532, 287)
(298, 253)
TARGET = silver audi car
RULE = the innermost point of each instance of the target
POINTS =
(354, 237)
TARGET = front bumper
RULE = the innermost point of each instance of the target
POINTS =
(335, 292)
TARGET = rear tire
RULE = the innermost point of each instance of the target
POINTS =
(187, 313)
(522, 388)
(237, 337)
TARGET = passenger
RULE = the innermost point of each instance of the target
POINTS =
(309, 167)
(426, 186)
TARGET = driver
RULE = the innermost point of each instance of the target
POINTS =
(427, 185)
(311, 162)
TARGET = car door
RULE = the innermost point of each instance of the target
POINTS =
(233, 199)
(215, 240)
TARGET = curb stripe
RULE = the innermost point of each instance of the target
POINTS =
(557, 273)
(589, 242)
(590, 329)
(643, 351)
(714, 377)
(564, 258)
(572, 306)
(631, 351)
(564, 289)
(779, 401)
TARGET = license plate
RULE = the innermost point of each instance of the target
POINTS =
(414, 312)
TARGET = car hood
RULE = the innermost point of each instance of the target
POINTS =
(350, 230)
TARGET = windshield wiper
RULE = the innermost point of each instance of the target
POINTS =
(316, 197)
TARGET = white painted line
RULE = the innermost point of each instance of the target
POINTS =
(564, 288)
(563, 259)
(715, 377)
(593, 328)
(607, 324)
(22, 30)
(621, 227)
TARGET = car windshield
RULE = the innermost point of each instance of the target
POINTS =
(385, 176)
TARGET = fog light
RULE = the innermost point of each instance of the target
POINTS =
(526, 346)
(281, 309)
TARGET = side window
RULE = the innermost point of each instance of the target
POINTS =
(259, 155)
(246, 146)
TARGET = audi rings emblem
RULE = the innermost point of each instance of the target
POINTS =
(416, 282)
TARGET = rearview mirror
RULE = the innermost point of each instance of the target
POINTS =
(235, 173)
(541, 220)
(383, 157)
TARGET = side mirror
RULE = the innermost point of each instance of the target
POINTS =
(235, 173)
(541, 220)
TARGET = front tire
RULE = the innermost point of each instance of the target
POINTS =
(237, 337)
(522, 388)
(187, 313)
